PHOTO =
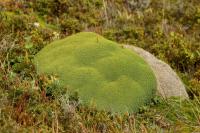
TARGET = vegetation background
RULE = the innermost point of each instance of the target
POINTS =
(170, 29)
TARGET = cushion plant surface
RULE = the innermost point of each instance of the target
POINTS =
(101, 71)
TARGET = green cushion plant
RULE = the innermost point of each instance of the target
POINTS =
(101, 71)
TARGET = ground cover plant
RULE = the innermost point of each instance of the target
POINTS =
(102, 72)
(28, 103)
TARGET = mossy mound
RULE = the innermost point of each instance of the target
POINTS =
(101, 71)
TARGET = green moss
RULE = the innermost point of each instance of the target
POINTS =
(103, 73)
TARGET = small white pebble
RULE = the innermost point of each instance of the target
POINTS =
(36, 24)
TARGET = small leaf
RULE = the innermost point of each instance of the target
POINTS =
(29, 45)
(28, 39)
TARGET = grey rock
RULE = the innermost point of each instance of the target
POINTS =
(168, 82)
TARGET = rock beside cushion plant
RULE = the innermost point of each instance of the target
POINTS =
(102, 72)
(168, 82)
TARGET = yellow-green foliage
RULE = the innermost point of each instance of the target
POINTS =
(103, 73)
